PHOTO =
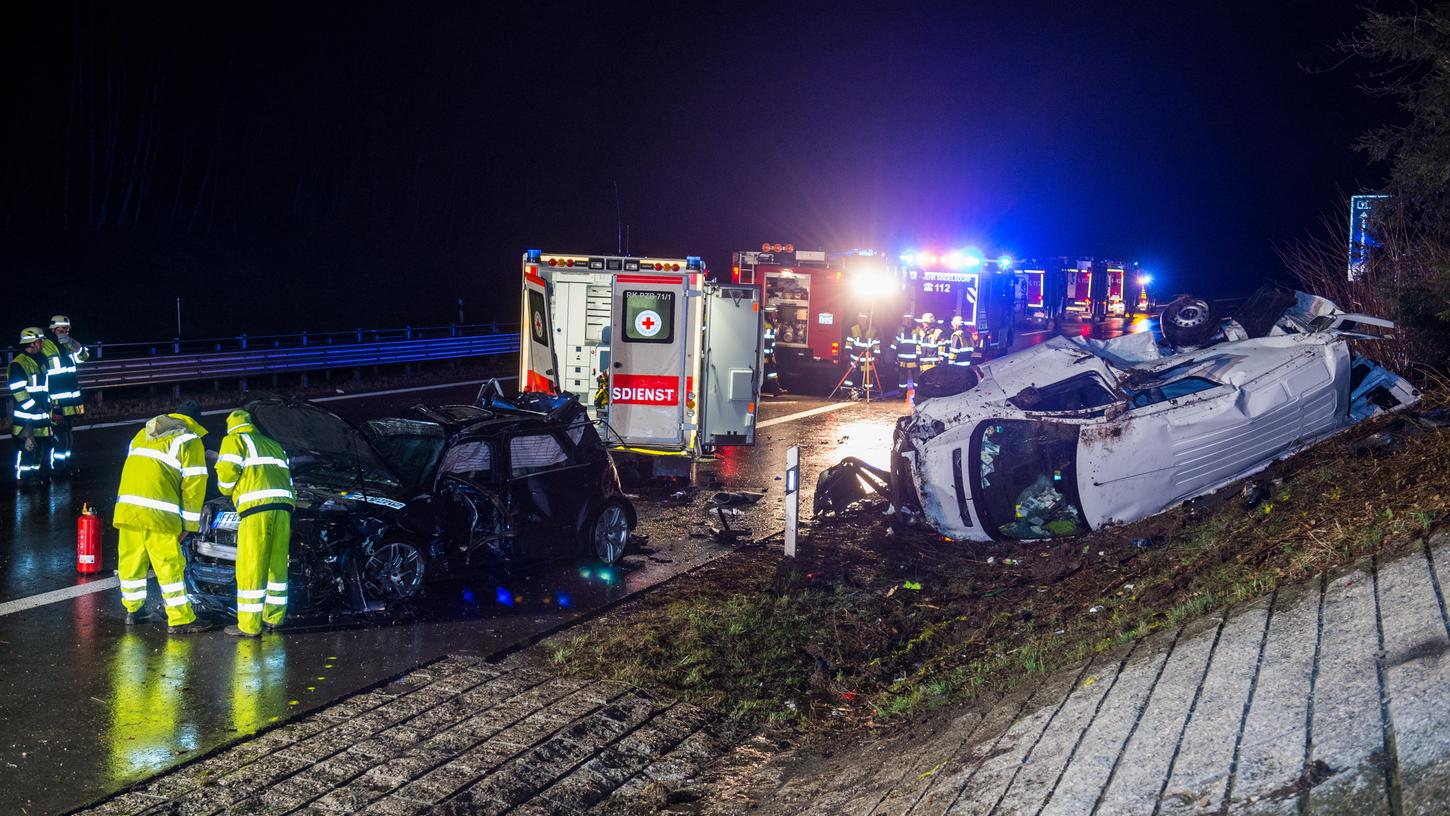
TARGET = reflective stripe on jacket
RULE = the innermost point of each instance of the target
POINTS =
(859, 343)
(930, 343)
(61, 363)
(163, 482)
(32, 395)
(252, 469)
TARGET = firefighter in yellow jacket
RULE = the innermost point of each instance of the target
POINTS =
(163, 485)
(30, 425)
(252, 470)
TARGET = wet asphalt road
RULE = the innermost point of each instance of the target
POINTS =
(90, 706)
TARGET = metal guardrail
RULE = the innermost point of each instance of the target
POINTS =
(239, 358)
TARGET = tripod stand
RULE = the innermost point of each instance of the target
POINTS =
(869, 379)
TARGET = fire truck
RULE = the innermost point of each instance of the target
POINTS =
(817, 296)
(1093, 289)
(982, 292)
(681, 355)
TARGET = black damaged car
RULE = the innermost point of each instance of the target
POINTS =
(384, 508)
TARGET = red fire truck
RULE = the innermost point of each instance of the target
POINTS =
(817, 296)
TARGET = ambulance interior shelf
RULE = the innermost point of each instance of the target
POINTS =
(791, 296)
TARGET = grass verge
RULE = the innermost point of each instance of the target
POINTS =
(866, 626)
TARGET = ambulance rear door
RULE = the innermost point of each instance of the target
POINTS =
(538, 366)
(647, 382)
(732, 364)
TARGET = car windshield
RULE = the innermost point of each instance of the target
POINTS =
(1027, 479)
(410, 447)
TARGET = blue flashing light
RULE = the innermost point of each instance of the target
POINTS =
(565, 601)
(692, 261)
(971, 257)
(535, 255)
(908, 257)
(504, 597)
(1005, 262)
(468, 597)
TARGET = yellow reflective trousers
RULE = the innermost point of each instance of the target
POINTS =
(262, 569)
(141, 550)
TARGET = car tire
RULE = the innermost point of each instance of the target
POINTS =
(607, 533)
(394, 571)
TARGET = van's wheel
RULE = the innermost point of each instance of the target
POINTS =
(394, 572)
(607, 533)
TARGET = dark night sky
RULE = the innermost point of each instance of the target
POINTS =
(308, 165)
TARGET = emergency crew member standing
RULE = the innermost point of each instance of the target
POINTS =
(252, 470)
(30, 424)
(163, 485)
(863, 346)
(959, 346)
(905, 350)
(767, 354)
(63, 354)
(929, 342)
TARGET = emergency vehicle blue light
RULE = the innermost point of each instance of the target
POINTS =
(971, 257)
(1005, 261)
(535, 255)
(503, 596)
(908, 257)
(692, 261)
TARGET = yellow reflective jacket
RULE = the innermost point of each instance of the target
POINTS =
(61, 362)
(28, 387)
(163, 482)
(252, 469)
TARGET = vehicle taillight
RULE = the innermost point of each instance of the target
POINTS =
(553, 262)
(735, 273)
(569, 262)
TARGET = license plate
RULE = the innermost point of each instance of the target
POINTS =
(226, 521)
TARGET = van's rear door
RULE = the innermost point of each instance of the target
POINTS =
(647, 382)
(538, 368)
(732, 364)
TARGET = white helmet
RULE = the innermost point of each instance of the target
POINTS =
(957, 321)
(926, 317)
(59, 321)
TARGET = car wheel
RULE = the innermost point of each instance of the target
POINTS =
(1188, 321)
(608, 533)
(394, 571)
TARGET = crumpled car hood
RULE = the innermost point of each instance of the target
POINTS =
(303, 427)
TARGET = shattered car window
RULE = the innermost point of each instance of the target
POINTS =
(1153, 395)
(1081, 393)
(471, 460)
(1027, 479)
(533, 453)
(586, 440)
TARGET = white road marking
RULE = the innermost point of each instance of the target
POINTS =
(127, 423)
(1032, 333)
(58, 595)
(835, 406)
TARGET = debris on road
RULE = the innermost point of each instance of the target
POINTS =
(848, 482)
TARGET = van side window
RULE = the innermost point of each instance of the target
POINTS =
(1153, 395)
(1081, 393)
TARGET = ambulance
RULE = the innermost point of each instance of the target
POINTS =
(680, 355)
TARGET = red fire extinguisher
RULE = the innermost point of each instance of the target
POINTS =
(88, 541)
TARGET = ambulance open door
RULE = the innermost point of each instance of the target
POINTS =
(647, 381)
(733, 370)
(538, 366)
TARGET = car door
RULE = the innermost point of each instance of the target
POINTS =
(471, 512)
(544, 489)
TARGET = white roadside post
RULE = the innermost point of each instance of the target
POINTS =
(792, 496)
